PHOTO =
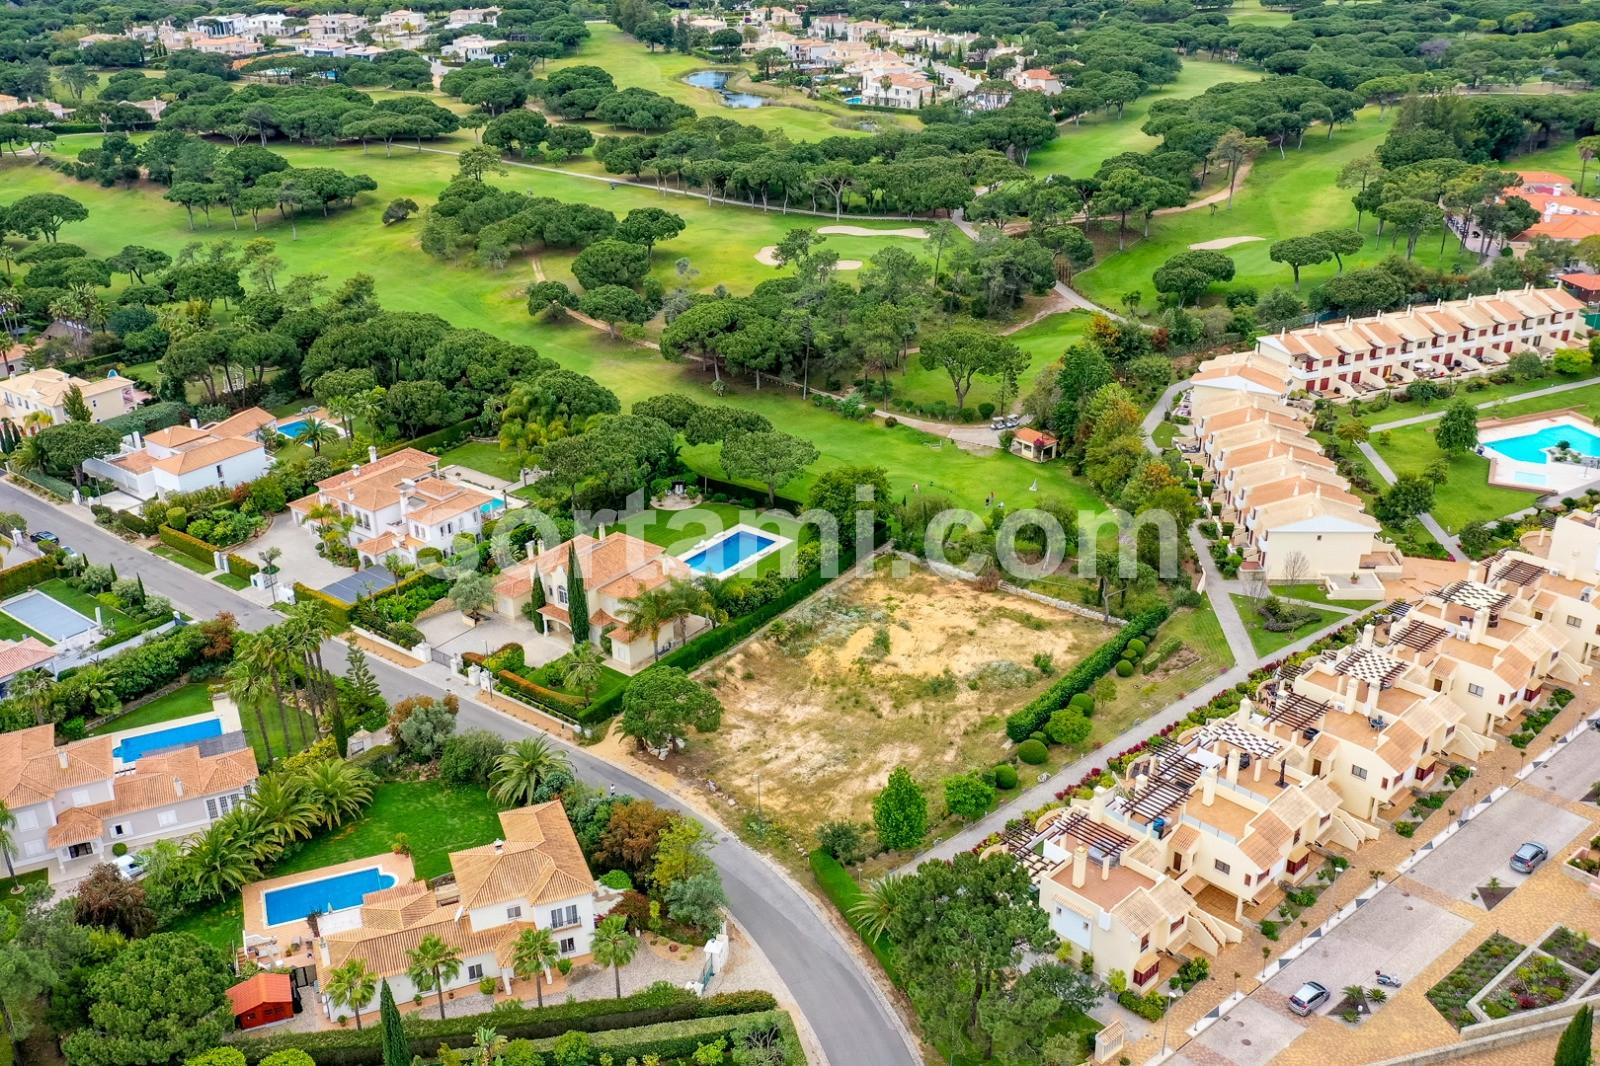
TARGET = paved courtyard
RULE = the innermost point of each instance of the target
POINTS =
(300, 561)
(1483, 849)
(1572, 772)
(1252, 1034)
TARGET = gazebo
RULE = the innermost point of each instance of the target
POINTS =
(1034, 445)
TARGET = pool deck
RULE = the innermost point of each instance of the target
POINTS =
(271, 944)
(777, 543)
(1547, 477)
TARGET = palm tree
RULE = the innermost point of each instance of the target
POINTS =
(220, 859)
(248, 687)
(337, 790)
(352, 985)
(613, 946)
(872, 912)
(32, 689)
(8, 843)
(533, 954)
(431, 963)
(285, 811)
(687, 598)
(95, 684)
(523, 769)
(584, 668)
(649, 612)
(265, 654)
(316, 433)
(1356, 994)
(322, 514)
(487, 1046)
(307, 627)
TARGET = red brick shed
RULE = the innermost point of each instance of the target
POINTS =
(263, 999)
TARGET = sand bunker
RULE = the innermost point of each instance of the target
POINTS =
(768, 256)
(1221, 243)
(861, 231)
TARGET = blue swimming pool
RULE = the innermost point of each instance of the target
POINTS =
(729, 553)
(292, 429)
(132, 749)
(336, 893)
(492, 506)
(1530, 448)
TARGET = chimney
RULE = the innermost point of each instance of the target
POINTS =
(1366, 635)
(1208, 787)
(1080, 864)
(372, 453)
(499, 846)
(194, 423)
(1105, 867)
(1097, 803)
(1255, 769)
(61, 757)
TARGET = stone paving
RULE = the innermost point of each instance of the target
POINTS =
(1408, 1022)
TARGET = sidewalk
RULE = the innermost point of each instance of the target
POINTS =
(1490, 405)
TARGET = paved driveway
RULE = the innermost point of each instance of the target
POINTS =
(1252, 1034)
(300, 561)
(1397, 933)
(1466, 861)
(1572, 771)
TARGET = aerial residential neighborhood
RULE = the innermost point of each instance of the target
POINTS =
(733, 534)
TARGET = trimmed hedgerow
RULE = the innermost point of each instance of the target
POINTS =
(193, 547)
(338, 610)
(28, 574)
(660, 1004)
(1095, 665)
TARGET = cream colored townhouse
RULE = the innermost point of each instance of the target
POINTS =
(1360, 356)
(1239, 372)
(1370, 723)
(1235, 815)
(1109, 896)
(1270, 413)
(1553, 576)
(1234, 491)
(1311, 537)
(45, 392)
(1216, 447)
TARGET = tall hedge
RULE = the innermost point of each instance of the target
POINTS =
(638, 1013)
(338, 610)
(193, 547)
(239, 566)
(1031, 716)
(14, 579)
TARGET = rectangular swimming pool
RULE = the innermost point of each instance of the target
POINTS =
(292, 429)
(132, 749)
(339, 892)
(1530, 448)
(44, 615)
(729, 553)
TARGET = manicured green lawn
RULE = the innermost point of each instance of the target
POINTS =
(196, 699)
(632, 65)
(181, 559)
(1250, 14)
(1281, 197)
(485, 458)
(1081, 148)
(435, 818)
(680, 531)
(1043, 342)
(1316, 594)
(1494, 394)
(232, 581)
(1467, 496)
(1265, 642)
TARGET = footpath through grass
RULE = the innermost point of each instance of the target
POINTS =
(434, 817)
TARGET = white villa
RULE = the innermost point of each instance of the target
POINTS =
(535, 877)
(400, 506)
(187, 458)
(614, 567)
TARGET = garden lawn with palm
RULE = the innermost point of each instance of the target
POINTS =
(633, 65)
(195, 698)
(354, 241)
(1280, 197)
(436, 818)
(1266, 641)
(1082, 147)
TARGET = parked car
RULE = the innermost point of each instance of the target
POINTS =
(1528, 857)
(128, 866)
(997, 423)
(1013, 421)
(1308, 998)
(44, 536)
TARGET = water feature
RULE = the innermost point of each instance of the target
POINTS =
(717, 82)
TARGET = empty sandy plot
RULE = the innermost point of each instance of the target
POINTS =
(883, 671)
(1221, 243)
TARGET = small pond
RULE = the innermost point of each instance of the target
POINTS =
(717, 81)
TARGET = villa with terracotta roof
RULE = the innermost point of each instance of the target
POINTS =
(535, 877)
(16, 656)
(186, 458)
(72, 803)
(45, 391)
(401, 506)
(615, 567)
(1037, 79)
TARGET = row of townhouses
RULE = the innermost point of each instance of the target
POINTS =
(1164, 865)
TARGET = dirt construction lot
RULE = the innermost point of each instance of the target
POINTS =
(879, 671)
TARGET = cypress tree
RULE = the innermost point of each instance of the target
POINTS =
(1573, 1050)
(396, 1050)
(577, 600)
(535, 602)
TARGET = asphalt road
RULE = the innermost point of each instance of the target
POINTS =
(854, 1024)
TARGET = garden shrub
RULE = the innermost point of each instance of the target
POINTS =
(1005, 777)
(184, 544)
(1083, 702)
(1082, 677)
(1032, 752)
(1135, 648)
(1124, 668)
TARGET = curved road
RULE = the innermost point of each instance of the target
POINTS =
(852, 1020)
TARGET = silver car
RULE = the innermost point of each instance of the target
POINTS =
(1527, 858)
(1308, 998)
